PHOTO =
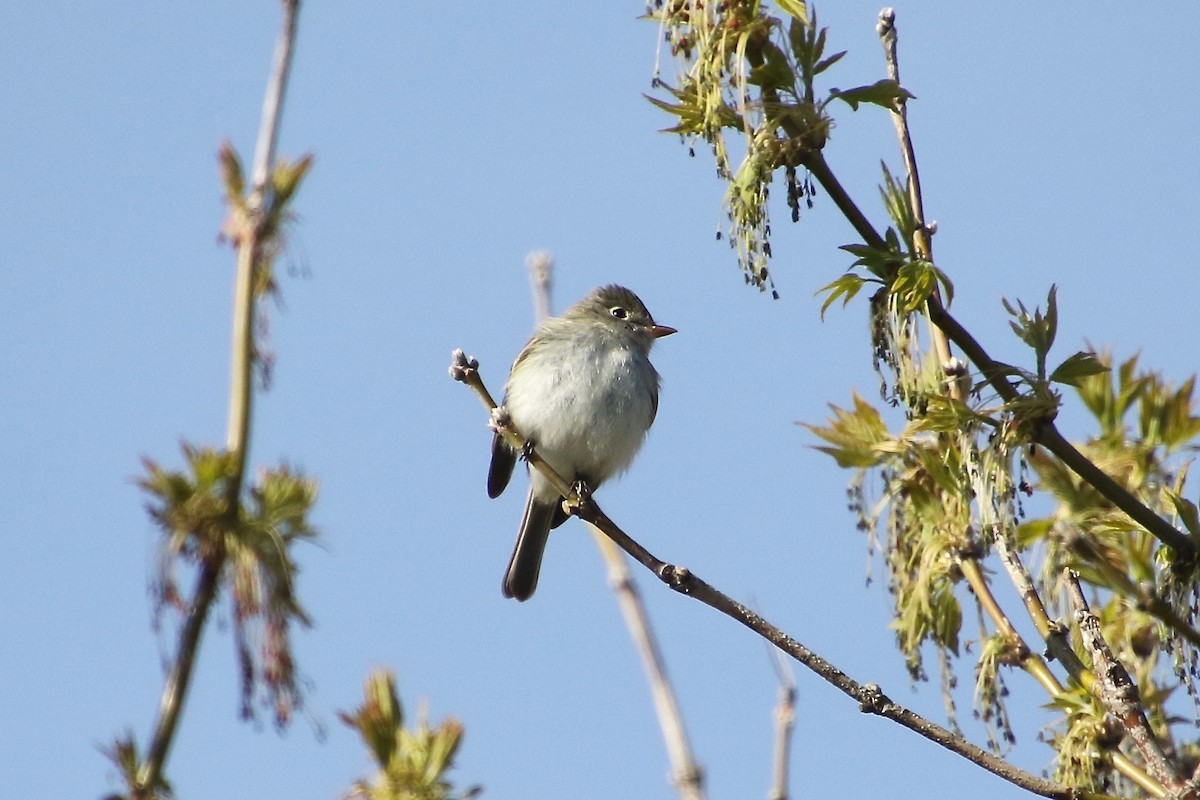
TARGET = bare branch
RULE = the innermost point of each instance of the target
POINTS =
(1057, 645)
(149, 775)
(922, 244)
(785, 725)
(686, 774)
(870, 697)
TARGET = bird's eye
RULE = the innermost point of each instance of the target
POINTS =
(618, 312)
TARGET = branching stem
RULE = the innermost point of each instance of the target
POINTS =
(149, 776)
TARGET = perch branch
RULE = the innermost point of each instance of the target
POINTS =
(870, 697)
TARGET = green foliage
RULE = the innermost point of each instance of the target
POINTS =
(951, 471)
(909, 278)
(996, 651)
(914, 284)
(1035, 329)
(845, 287)
(250, 541)
(412, 763)
(260, 217)
(1152, 597)
(921, 539)
(885, 93)
(935, 497)
(855, 437)
(743, 72)
(1082, 740)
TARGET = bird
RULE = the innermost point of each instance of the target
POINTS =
(583, 393)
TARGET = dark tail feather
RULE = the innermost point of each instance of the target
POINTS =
(522, 576)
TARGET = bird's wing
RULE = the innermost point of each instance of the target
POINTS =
(504, 458)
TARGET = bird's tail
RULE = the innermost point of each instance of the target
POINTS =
(522, 576)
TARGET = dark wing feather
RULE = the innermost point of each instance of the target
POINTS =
(504, 458)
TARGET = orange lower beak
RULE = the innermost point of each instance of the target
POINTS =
(659, 331)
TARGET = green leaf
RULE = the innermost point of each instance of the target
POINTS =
(1078, 366)
(232, 176)
(898, 202)
(1051, 316)
(885, 93)
(826, 63)
(380, 717)
(1187, 512)
(1029, 533)
(878, 262)
(856, 437)
(845, 287)
(1035, 329)
(947, 618)
(913, 284)
(286, 178)
(797, 9)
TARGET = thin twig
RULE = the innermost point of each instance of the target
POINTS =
(250, 247)
(1118, 693)
(541, 280)
(923, 247)
(149, 775)
(870, 697)
(686, 774)
(785, 726)
(1032, 663)
(1142, 595)
(1057, 645)
(945, 327)
(922, 243)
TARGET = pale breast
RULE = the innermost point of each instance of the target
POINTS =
(587, 411)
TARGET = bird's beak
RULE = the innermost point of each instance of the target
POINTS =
(659, 331)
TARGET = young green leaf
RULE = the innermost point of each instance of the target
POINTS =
(1078, 366)
(797, 9)
(845, 287)
(826, 63)
(885, 93)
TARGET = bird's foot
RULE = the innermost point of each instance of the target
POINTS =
(581, 494)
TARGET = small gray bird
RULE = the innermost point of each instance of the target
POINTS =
(584, 393)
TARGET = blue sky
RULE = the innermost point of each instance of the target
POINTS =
(1057, 145)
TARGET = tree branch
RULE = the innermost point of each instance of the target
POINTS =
(1048, 436)
(922, 243)
(785, 726)
(870, 697)
(1119, 694)
(687, 776)
(149, 776)
(1119, 581)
